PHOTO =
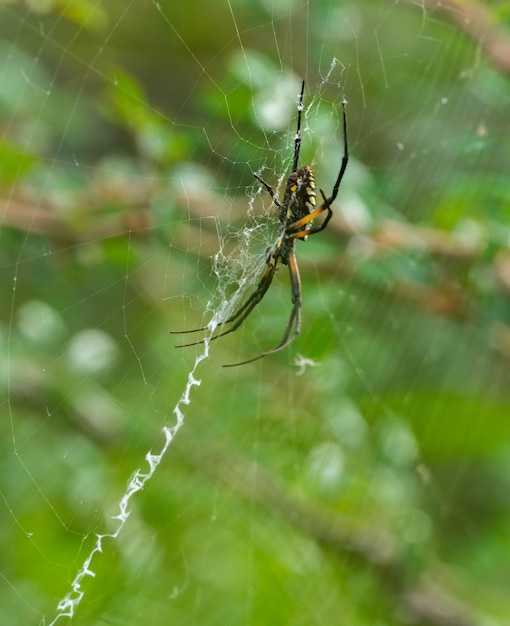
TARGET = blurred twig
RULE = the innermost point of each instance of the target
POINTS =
(388, 237)
(478, 21)
(424, 599)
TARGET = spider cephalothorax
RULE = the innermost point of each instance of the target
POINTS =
(296, 213)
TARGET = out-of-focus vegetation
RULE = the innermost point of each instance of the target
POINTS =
(361, 476)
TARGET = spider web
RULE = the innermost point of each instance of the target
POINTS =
(358, 473)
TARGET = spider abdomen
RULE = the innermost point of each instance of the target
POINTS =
(300, 197)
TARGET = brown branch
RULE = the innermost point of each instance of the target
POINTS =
(33, 219)
(390, 235)
(387, 238)
(427, 599)
(477, 20)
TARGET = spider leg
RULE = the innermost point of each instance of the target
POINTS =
(302, 234)
(298, 226)
(297, 149)
(242, 313)
(345, 159)
(294, 323)
(269, 189)
(297, 140)
(326, 205)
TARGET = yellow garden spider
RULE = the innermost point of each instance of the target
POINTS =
(296, 213)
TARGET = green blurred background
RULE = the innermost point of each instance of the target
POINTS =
(360, 477)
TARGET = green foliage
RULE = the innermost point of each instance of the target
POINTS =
(363, 472)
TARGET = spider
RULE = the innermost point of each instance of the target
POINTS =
(296, 213)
